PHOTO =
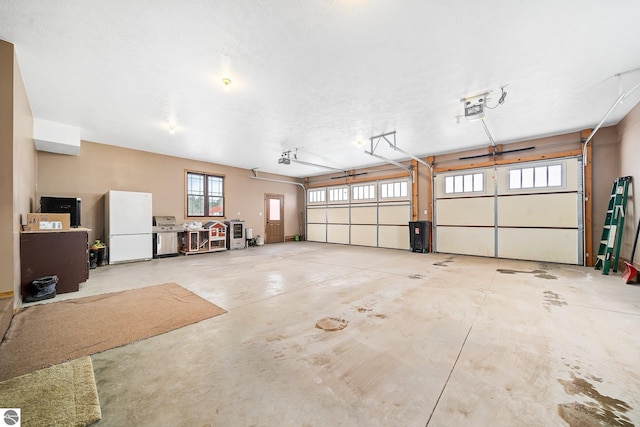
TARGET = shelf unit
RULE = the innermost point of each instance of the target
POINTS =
(204, 240)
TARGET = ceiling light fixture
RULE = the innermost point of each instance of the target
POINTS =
(172, 129)
(227, 84)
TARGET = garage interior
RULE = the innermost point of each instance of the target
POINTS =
(501, 126)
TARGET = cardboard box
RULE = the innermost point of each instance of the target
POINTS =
(47, 222)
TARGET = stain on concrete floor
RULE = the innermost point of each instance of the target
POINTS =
(542, 274)
(443, 262)
(601, 410)
(331, 324)
(552, 298)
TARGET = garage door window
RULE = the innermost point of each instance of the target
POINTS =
(316, 196)
(339, 194)
(469, 183)
(363, 192)
(394, 190)
(535, 177)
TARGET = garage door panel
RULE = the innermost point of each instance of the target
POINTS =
(363, 215)
(364, 235)
(393, 236)
(317, 232)
(477, 211)
(338, 233)
(337, 215)
(539, 210)
(539, 244)
(394, 215)
(317, 215)
(465, 240)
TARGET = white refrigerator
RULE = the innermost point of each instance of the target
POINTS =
(128, 221)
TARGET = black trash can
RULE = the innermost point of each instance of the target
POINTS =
(103, 256)
(419, 235)
(93, 258)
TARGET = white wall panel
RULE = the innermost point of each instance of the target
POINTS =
(539, 210)
(364, 235)
(539, 244)
(394, 236)
(465, 211)
(394, 215)
(465, 240)
(317, 232)
(338, 233)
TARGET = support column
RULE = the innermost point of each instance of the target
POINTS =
(588, 203)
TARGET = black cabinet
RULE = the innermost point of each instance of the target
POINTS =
(420, 236)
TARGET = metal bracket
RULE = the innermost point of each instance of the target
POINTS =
(288, 157)
(395, 147)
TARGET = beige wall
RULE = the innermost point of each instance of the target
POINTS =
(7, 248)
(17, 167)
(629, 133)
(605, 147)
(99, 168)
(24, 161)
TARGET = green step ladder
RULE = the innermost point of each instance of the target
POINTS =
(609, 248)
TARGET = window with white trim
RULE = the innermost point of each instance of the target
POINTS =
(316, 196)
(535, 177)
(363, 192)
(467, 183)
(394, 190)
(338, 194)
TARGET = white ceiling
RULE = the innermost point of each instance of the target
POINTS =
(319, 75)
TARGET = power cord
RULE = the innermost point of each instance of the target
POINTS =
(503, 95)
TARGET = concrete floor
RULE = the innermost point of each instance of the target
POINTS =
(432, 340)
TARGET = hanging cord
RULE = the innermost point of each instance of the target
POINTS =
(503, 95)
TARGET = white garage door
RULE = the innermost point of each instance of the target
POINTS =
(530, 211)
(366, 214)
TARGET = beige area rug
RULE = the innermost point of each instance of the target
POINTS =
(61, 395)
(48, 334)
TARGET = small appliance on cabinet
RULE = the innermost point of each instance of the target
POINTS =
(128, 222)
(235, 234)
